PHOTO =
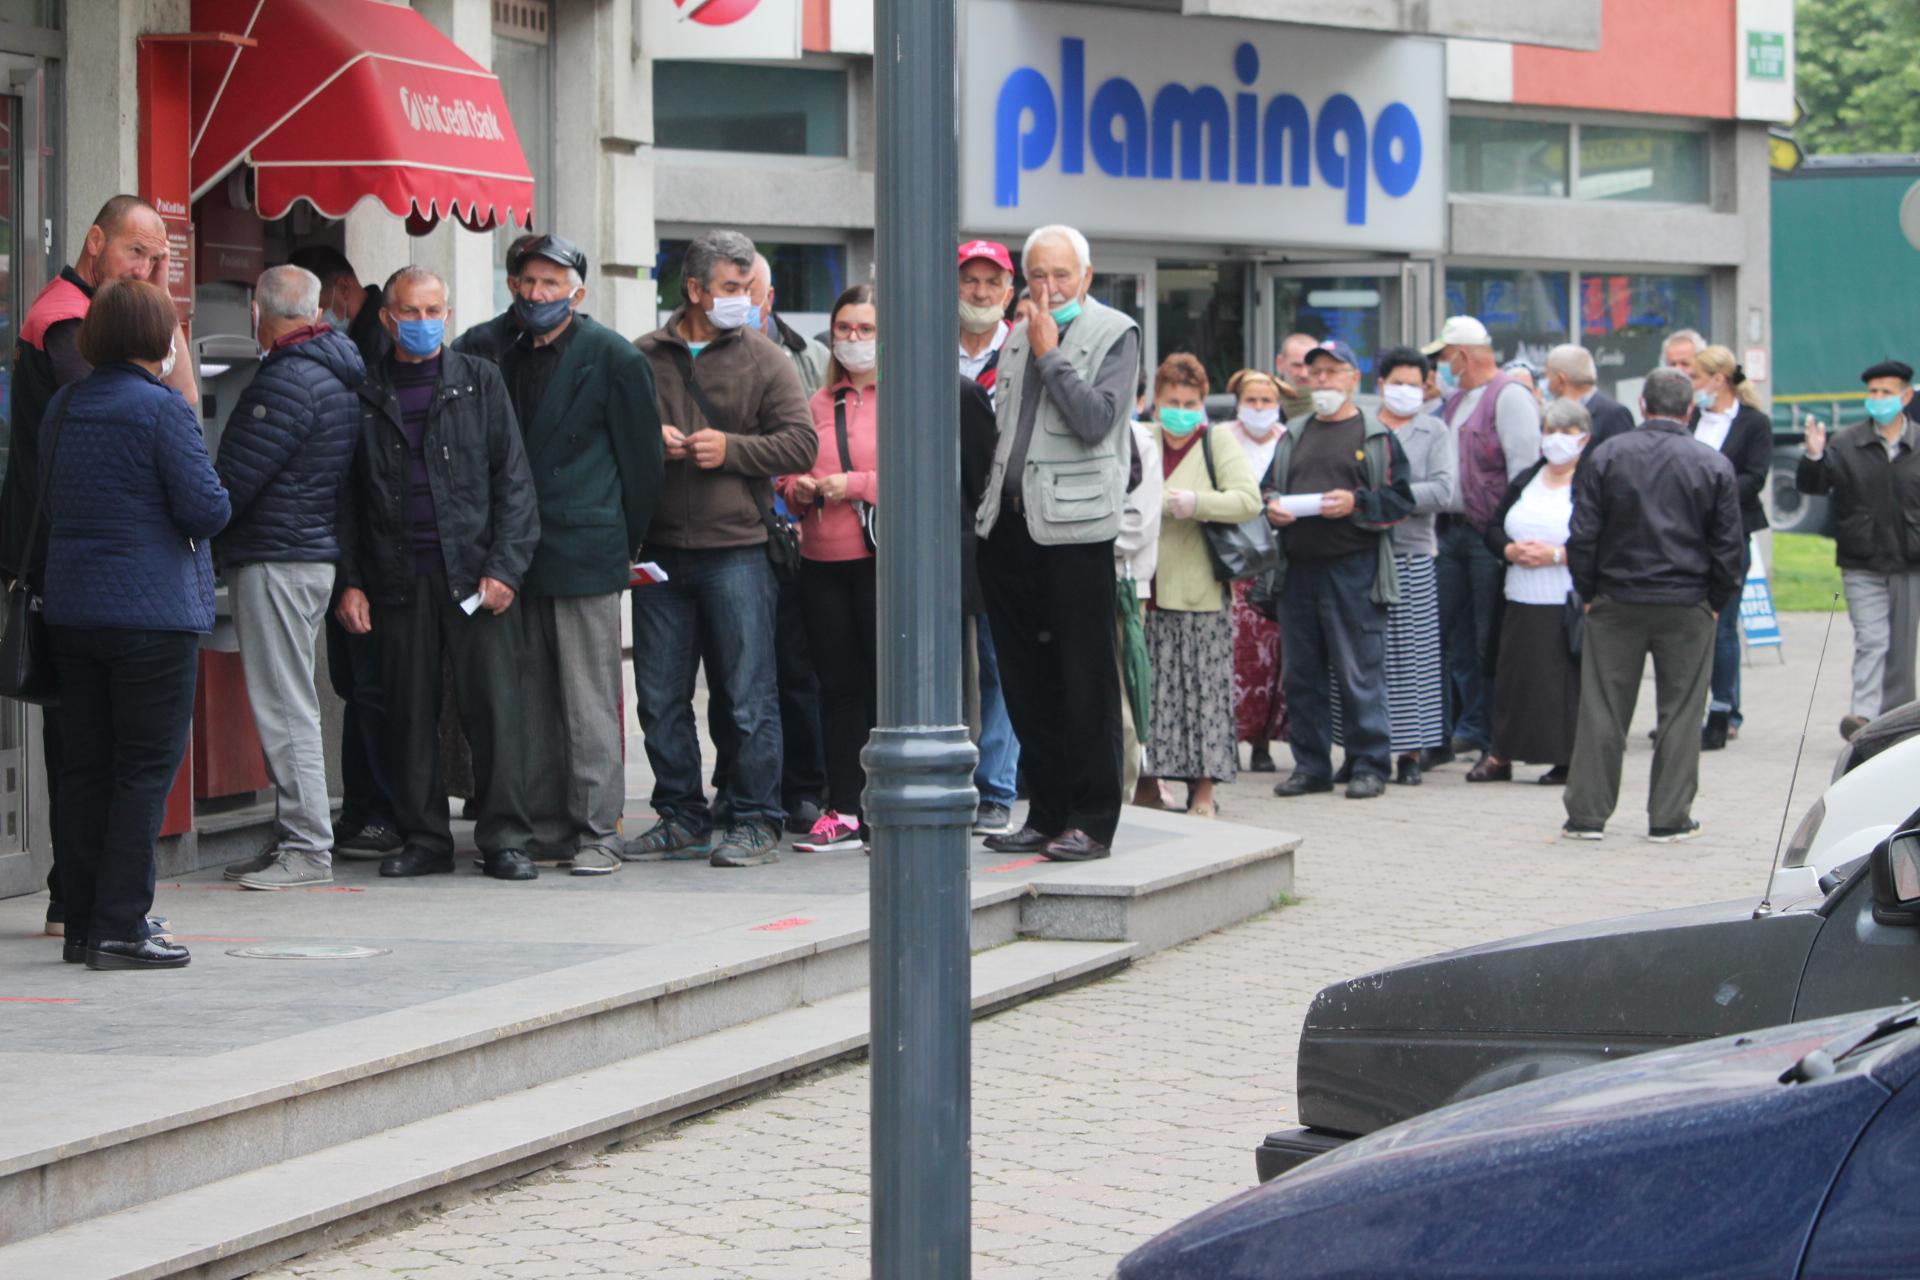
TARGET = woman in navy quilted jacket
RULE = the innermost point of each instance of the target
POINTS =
(132, 500)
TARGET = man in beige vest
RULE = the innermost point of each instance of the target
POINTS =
(1047, 525)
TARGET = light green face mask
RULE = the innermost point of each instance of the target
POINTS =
(1180, 422)
(1067, 313)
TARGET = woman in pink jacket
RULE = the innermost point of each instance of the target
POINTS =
(835, 504)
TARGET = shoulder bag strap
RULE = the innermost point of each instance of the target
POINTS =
(683, 365)
(57, 410)
(840, 430)
(1206, 452)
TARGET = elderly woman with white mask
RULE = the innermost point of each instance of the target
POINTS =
(1259, 701)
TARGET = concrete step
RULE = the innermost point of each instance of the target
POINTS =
(250, 1220)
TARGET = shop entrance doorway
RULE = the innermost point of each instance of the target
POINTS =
(1368, 305)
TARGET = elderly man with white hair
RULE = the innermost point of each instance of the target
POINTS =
(286, 446)
(1047, 525)
(1572, 375)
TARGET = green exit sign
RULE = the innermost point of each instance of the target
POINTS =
(1767, 55)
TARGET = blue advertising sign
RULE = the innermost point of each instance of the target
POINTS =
(1757, 618)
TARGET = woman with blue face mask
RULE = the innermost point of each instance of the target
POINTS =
(1727, 416)
(1189, 632)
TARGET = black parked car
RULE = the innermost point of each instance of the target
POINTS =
(1378, 1049)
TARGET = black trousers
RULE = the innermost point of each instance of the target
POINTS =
(483, 653)
(803, 769)
(1051, 612)
(50, 757)
(843, 631)
(126, 708)
(353, 665)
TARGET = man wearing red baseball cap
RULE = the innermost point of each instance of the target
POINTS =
(986, 288)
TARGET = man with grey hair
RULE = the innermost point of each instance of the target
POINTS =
(1047, 525)
(808, 356)
(1572, 375)
(1681, 346)
(734, 415)
(287, 443)
(1656, 553)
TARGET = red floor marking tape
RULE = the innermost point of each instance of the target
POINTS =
(1016, 864)
(791, 922)
(38, 1000)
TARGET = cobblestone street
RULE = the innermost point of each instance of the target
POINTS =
(1104, 1114)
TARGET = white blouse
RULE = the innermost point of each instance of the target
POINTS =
(1542, 514)
(1712, 428)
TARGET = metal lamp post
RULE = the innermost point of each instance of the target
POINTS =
(920, 797)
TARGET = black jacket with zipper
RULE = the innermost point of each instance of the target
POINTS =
(1656, 520)
(483, 500)
(1876, 500)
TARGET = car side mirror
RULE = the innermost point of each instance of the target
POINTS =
(1896, 878)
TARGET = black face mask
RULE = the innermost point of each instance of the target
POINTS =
(539, 318)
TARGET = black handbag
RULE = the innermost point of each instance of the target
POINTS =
(1575, 613)
(783, 540)
(26, 659)
(863, 510)
(1244, 550)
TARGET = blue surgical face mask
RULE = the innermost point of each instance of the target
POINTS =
(1449, 380)
(421, 337)
(1884, 409)
(541, 318)
(1705, 400)
(1067, 312)
(1180, 422)
(757, 318)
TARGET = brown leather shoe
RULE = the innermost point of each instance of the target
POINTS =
(1025, 840)
(1075, 845)
(1491, 770)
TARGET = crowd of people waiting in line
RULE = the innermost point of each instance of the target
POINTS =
(1461, 571)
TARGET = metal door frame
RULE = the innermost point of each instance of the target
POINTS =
(1147, 271)
(1418, 280)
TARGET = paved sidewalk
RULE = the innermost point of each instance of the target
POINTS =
(1105, 1114)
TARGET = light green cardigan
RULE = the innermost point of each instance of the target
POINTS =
(1184, 579)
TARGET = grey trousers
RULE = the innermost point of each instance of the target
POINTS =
(278, 610)
(1885, 611)
(1618, 639)
(576, 782)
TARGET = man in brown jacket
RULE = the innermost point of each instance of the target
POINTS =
(733, 416)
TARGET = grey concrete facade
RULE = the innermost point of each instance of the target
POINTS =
(1565, 24)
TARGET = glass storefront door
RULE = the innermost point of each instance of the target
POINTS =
(1370, 306)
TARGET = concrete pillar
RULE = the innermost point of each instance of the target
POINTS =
(463, 257)
(377, 243)
(603, 173)
(101, 120)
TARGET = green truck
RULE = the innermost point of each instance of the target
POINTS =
(1846, 292)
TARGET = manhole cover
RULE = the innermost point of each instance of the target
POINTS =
(309, 951)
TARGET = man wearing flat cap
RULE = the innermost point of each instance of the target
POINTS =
(1870, 472)
(584, 398)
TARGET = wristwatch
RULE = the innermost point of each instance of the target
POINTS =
(1559, 555)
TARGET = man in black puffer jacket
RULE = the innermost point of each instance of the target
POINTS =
(285, 449)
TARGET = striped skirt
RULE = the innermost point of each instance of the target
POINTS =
(1416, 690)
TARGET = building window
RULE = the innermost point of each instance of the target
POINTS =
(1666, 166)
(1524, 310)
(717, 106)
(1624, 320)
(524, 63)
(806, 277)
(1497, 156)
(1507, 157)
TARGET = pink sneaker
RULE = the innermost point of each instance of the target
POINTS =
(830, 833)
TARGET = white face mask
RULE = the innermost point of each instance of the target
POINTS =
(730, 313)
(1327, 402)
(166, 366)
(980, 319)
(1260, 422)
(857, 357)
(1402, 400)
(1560, 448)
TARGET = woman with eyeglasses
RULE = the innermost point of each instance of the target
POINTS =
(837, 570)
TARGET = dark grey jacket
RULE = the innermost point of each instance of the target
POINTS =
(483, 500)
(1656, 520)
(1876, 500)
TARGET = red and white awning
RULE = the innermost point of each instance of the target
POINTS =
(339, 100)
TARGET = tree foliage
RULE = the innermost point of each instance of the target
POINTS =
(1858, 76)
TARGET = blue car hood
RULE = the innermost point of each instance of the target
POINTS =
(1692, 1161)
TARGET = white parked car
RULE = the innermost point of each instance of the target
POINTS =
(1867, 801)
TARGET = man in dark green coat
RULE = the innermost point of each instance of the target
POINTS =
(585, 399)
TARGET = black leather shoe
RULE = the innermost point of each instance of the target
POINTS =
(1434, 757)
(73, 951)
(1491, 769)
(1714, 736)
(1025, 840)
(1554, 777)
(1301, 784)
(145, 954)
(1075, 845)
(1345, 773)
(1366, 786)
(1260, 762)
(1409, 774)
(511, 864)
(415, 861)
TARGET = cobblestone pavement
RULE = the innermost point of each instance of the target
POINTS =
(1104, 1114)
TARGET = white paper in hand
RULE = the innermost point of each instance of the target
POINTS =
(471, 604)
(1300, 504)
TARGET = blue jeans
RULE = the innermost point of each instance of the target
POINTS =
(1470, 579)
(721, 603)
(1726, 662)
(997, 776)
(1328, 621)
